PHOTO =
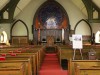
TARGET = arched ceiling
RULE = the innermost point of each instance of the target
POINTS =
(97, 2)
(20, 6)
(3, 3)
(23, 3)
(82, 7)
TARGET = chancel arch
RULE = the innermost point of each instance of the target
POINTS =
(52, 20)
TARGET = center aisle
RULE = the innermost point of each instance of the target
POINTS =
(51, 66)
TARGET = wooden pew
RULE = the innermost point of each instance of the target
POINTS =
(36, 58)
(39, 54)
(9, 68)
(26, 60)
(84, 67)
(66, 52)
(59, 54)
(30, 51)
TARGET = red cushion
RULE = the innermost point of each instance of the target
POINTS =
(10, 51)
(2, 58)
(18, 51)
(13, 54)
(3, 54)
(23, 51)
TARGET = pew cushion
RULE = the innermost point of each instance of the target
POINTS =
(2, 58)
(3, 54)
(13, 54)
(10, 51)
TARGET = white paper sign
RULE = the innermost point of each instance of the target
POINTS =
(77, 41)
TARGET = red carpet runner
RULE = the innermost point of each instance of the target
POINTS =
(51, 66)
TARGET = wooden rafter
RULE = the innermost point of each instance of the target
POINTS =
(91, 7)
(9, 8)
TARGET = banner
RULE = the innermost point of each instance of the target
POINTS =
(77, 41)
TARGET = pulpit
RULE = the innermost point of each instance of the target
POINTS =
(50, 40)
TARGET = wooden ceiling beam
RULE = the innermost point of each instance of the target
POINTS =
(91, 7)
(10, 8)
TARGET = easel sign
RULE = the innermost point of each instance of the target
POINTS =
(77, 43)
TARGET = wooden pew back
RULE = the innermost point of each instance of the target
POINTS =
(81, 67)
(12, 68)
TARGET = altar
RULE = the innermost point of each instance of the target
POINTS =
(56, 26)
(51, 36)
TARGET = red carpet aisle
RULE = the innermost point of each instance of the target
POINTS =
(51, 66)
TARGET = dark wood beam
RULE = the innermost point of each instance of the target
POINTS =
(94, 21)
(90, 7)
(10, 8)
(6, 20)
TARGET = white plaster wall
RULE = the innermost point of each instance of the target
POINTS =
(75, 15)
(28, 13)
(83, 29)
(95, 27)
(19, 29)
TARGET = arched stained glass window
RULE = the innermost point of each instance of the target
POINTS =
(51, 16)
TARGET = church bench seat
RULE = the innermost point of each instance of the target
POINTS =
(34, 59)
(80, 67)
(89, 70)
(12, 68)
(27, 61)
(36, 52)
(67, 52)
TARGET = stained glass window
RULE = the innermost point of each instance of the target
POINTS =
(50, 16)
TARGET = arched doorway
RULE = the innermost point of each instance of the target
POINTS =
(51, 20)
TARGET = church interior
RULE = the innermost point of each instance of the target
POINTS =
(49, 37)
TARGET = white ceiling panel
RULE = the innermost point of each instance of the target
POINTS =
(23, 3)
(20, 6)
(17, 11)
(97, 2)
(84, 11)
(3, 3)
(80, 5)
